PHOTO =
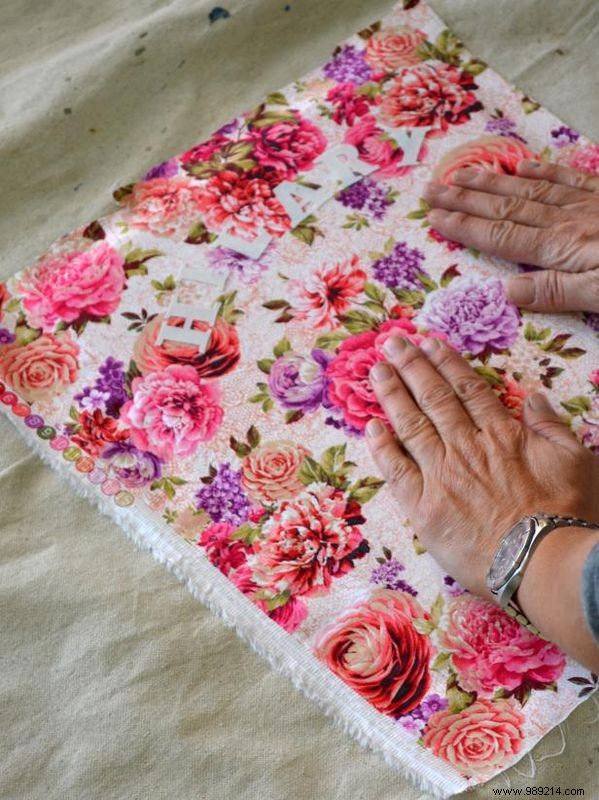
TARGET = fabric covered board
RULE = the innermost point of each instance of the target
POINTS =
(196, 363)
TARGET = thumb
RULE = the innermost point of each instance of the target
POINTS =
(549, 290)
(540, 416)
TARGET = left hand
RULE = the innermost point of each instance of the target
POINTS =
(462, 467)
(546, 215)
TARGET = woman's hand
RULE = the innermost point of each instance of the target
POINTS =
(464, 470)
(546, 216)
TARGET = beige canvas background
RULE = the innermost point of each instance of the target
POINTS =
(115, 684)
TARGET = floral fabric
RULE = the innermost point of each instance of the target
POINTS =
(250, 448)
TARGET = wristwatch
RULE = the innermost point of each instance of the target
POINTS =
(513, 554)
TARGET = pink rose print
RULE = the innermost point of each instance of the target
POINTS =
(498, 154)
(271, 471)
(375, 648)
(84, 285)
(374, 147)
(238, 204)
(439, 95)
(309, 541)
(3, 299)
(41, 369)
(512, 396)
(478, 740)
(349, 387)
(327, 293)
(583, 157)
(225, 553)
(391, 48)
(205, 150)
(164, 206)
(220, 356)
(348, 103)
(490, 650)
(288, 146)
(172, 412)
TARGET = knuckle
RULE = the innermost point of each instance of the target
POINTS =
(472, 389)
(539, 190)
(436, 396)
(460, 195)
(508, 207)
(560, 246)
(396, 471)
(500, 232)
(552, 290)
(409, 425)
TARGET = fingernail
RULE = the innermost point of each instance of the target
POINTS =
(374, 428)
(381, 371)
(537, 402)
(520, 291)
(436, 188)
(438, 215)
(466, 173)
(528, 163)
(430, 345)
(395, 345)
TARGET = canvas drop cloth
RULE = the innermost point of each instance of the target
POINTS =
(114, 682)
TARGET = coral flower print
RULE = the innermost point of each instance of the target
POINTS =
(477, 741)
(172, 412)
(490, 650)
(42, 369)
(438, 96)
(495, 153)
(76, 286)
(220, 356)
(271, 471)
(94, 431)
(475, 315)
(375, 648)
(391, 48)
(327, 293)
(163, 206)
(310, 540)
(240, 205)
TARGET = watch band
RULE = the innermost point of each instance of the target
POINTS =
(555, 521)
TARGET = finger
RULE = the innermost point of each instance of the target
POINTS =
(413, 428)
(493, 206)
(550, 290)
(541, 418)
(432, 393)
(501, 238)
(397, 468)
(556, 173)
(538, 189)
(482, 404)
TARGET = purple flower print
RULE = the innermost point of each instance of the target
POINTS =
(133, 467)
(348, 66)
(6, 336)
(564, 135)
(415, 721)
(224, 498)
(108, 392)
(453, 587)
(474, 314)
(248, 270)
(388, 574)
(503, 126)
(592, 320)
(164, 170)
(297, 382)
(401, 267)
(366, 195)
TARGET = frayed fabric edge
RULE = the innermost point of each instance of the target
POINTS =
(351, 713)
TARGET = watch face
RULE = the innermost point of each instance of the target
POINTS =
(508, 555)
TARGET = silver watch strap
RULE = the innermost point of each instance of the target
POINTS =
(556, 521)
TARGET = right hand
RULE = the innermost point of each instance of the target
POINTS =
(546, 216)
